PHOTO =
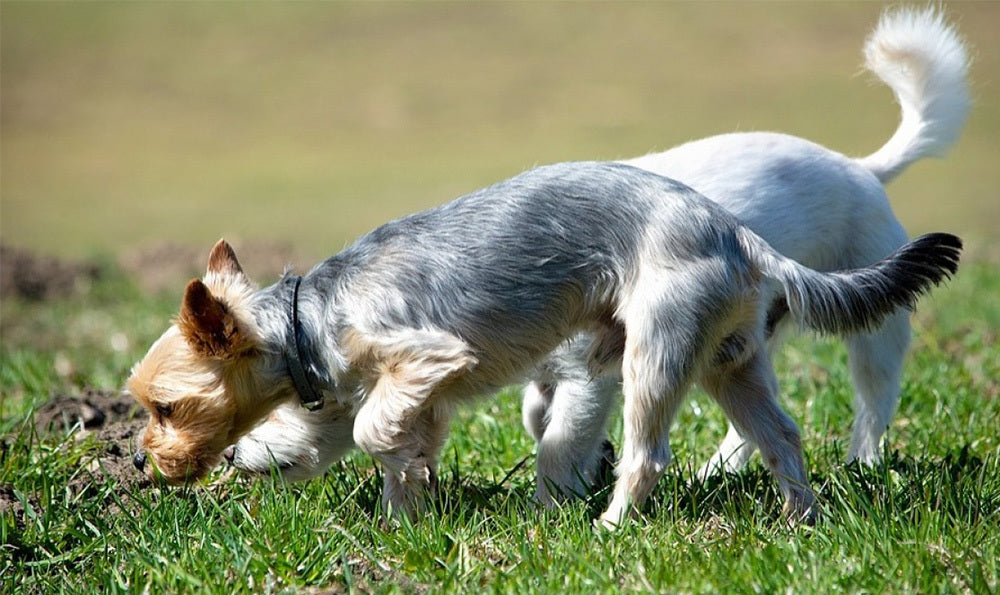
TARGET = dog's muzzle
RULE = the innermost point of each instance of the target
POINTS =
(139, 460)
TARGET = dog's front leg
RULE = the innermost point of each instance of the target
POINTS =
(406, 441)
(411, 472)
(403, 419)
(572, 445)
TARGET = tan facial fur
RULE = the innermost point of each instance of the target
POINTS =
(191, 416)
(197, 380)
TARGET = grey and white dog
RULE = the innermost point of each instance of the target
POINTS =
(814, 205)
(461, 300)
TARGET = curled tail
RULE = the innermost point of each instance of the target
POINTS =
(925, 63)
(860, 299)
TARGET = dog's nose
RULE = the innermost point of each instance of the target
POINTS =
(139, 460)
(229, 454)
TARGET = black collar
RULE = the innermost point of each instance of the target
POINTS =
(309, 397)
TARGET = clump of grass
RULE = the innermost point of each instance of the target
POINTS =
(926, 520)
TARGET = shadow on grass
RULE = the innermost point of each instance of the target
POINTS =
(957, 485)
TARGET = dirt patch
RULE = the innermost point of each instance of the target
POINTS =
(11, 504)
(167, 266)
(29, 276)
(93, 410)
(113, 419)
(155, 268)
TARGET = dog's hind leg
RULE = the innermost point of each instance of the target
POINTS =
(665, 341)
(747, 393)
(652, 393)
(731, 456)
(572, 443)
(735, 450)
(876, 362)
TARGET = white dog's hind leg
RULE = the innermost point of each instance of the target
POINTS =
(535, 404)
(572, 444)
(876, 362)
(731, 457)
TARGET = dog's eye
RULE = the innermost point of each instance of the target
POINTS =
(164, 411)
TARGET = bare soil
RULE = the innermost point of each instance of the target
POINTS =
(33, 277)
(155, 268)
(114, 420)
(93, 410)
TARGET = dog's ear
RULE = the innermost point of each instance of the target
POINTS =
(224, 276)
(208, 325)
(222, 260)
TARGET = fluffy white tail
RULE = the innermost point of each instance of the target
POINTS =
(857, 300)
(923, 59)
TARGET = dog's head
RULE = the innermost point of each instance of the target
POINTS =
(201, 381)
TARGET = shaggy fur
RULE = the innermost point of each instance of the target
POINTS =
(427, 311)
(813, 205)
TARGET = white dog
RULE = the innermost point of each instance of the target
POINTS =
(820, 208)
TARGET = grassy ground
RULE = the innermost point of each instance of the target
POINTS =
(928, 521)
(125, 124)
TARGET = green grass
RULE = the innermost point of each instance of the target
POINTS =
(126, 123)
(927, 521)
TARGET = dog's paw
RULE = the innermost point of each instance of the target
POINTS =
(801, 510)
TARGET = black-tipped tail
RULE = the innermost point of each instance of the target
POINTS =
(925, 261)
(861, 299)
(858, 300)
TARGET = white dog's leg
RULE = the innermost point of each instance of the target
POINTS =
(876, 362)
(536, 401)
(732, 455)
(572, 443)
(748, 394)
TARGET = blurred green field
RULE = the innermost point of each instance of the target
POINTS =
(128, 123)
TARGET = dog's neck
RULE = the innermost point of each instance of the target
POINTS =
(295, 355)
(304, 360)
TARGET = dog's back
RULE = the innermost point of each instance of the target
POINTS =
(558, 225)
(539, 254)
